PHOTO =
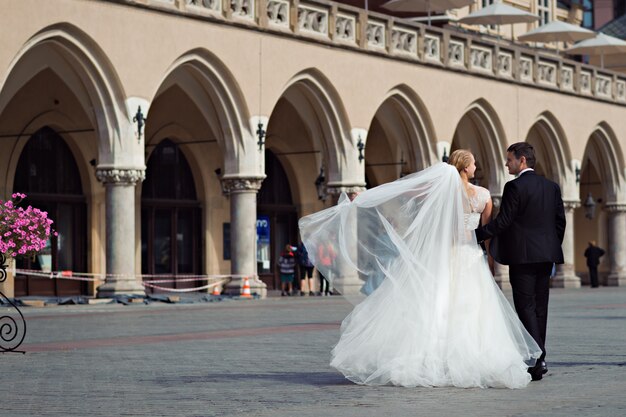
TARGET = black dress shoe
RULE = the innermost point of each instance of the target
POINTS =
(544, 367)
(536, 372)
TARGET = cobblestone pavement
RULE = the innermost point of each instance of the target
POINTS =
(270, 358)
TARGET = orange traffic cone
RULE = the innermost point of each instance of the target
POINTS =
(246, 288)
(217, 290)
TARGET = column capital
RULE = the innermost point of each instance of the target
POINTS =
(615, 207)
(120, 176)
(571, 205)
(239, 185)
(348, 189)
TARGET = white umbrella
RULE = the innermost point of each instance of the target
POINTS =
(600, 45)
(557, 31)
(498, 14)
(425, 5)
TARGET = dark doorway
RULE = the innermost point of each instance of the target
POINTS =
(170, 219)
(275, 207)
(48, 174)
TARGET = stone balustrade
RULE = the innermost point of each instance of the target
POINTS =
(345, 26)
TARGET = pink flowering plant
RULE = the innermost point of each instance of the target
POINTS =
(23, 231)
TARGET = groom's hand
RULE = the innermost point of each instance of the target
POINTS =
(480, 238)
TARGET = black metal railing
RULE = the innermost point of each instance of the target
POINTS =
(12, 322)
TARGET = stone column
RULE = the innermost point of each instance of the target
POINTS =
(243, 192)
(348, 282)
(617, 244)
(566, 274)
(120, 231)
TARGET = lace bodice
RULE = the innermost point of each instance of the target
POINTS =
(477, 201)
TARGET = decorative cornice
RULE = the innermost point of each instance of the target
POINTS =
(240, 185)
(348, 189)
(334, 24)
(615, 207)
(571, 205)
(120, 176)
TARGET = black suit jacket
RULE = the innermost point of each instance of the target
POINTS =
(593, 254)
(530, 225)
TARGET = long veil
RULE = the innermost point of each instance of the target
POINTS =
(412, 224)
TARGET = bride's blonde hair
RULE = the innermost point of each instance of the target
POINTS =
(460, 159)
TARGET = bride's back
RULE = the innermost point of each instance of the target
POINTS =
(477, 198)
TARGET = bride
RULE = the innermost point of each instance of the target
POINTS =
(433, 315)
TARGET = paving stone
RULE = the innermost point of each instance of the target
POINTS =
(270, 358)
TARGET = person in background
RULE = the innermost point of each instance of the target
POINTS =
(593, 254)
(287, 267)
(306, 268)
(326, 256)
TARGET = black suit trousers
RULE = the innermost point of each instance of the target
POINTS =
(593, 276)
(531, 291)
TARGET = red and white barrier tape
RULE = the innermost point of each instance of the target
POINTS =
(87, 276)
(56, 274)
(204, 287)
(96, 276)
(165, 281)
(80, 276)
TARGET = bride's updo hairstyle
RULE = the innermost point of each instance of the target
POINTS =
(460, 159)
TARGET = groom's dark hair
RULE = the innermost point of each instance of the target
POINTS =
(524, 149)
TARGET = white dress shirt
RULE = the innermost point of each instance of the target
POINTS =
(525, 170)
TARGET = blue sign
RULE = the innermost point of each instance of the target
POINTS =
(263, 229)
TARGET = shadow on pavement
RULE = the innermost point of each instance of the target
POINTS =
(572, 364)
(304, 378)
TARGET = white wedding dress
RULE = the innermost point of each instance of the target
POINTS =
(434, 315)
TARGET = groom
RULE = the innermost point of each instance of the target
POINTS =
(527, 235)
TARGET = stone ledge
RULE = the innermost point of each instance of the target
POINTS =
(33, 303)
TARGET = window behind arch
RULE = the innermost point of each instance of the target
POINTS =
(47, 172)
(47, 166)
(171, 241)
(168, 175)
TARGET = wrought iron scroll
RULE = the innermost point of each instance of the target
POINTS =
(12, 326)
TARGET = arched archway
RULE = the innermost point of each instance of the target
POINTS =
(399, 139)
(48, 174)
(604, 152)
(548, 139)
(323, 118)
(61, 78)
(601, 183)
(481, 132)
(219, 114)
(199, 107)
(65, 52)
(308, 139)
